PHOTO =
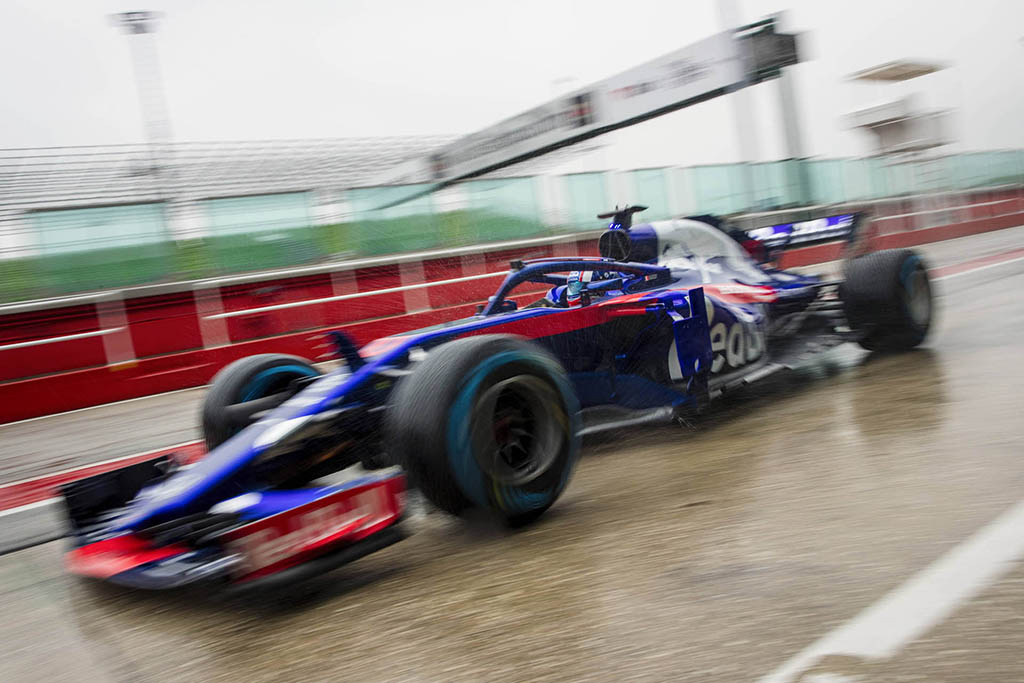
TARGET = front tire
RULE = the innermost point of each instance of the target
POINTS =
(246, 387)
(487, 422)
(888, 299)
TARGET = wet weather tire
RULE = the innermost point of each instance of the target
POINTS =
(887, 296)
(487, 422)
(249, 385)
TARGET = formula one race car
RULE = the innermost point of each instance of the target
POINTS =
(484, 413)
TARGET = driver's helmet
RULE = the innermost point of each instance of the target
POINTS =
(574, 286)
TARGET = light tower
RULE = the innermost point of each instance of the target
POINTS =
(140, 27)
(158, 169)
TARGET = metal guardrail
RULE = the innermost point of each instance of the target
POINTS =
(62, 338)
(343, 297)
(944, 209)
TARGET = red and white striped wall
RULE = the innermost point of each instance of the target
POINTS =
(71, 353)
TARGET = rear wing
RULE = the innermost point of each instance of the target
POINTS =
(768, 242)
(843, 226)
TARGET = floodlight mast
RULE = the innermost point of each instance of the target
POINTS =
(140, 27)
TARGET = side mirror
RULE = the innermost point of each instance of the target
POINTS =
(346, 348)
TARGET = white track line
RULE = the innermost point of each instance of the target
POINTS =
(78, 468)
(981, 268)
(923, 601)
(118, 403)
(102, 405)
(28, 506)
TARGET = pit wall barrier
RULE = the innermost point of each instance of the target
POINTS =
(64, 354)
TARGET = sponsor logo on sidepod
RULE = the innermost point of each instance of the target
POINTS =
(733, 344)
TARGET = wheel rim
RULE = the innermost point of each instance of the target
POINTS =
(515, 432)
(919, 299)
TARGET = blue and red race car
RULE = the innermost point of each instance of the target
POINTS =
(486, 412)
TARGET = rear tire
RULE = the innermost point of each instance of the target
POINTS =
(248, 379)
(887, 297)
(487, 422)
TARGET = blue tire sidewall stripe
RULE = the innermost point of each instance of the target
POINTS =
(260, 381)
(909, 264)
(470, 478)
(906, 270)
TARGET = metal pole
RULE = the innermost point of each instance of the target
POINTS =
(793, 131)
(743, 110)
(795, 153)
(140, 27)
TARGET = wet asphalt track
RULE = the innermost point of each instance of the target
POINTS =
(711, 555)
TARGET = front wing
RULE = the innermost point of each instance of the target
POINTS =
(238, 543)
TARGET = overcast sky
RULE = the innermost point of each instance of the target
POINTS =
(248, 69)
